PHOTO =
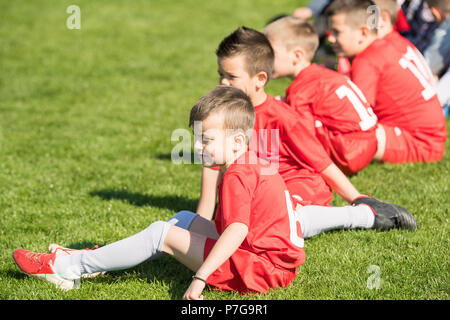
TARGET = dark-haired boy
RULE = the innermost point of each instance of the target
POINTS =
(410, 118)
(245, 60)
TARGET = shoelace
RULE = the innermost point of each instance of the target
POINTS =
(38, 258)
(85, 249)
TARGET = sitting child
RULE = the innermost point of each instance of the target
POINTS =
(245, 60)
(256, 242)
(343, 120)
(411, 125)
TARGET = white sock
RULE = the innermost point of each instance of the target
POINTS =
(317, 219)
(119, 255)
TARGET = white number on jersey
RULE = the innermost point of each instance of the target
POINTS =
(415, 63)
(294, 219)
(357, 100)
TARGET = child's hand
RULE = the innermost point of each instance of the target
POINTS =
(194, 292)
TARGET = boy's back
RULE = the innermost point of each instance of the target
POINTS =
(399, 94)
(404, 101)
(300, 155)
(320, 89)
(407, 47)
(340, 110)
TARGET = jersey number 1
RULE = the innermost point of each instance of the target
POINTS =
(418, 68)
(358, 101)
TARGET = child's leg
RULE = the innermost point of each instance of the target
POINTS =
(118, 255)
(317, 219)
(147, 244)
(185, 246)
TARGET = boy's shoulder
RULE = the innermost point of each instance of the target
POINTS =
(378, 51)
(399, 42)
(278, 114)
(314, 80)
(250, 170)
(378, 54)
(274, 108)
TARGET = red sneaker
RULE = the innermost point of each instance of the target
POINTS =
(40, 265)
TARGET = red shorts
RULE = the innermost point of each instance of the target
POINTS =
(404, 146)
(352, 151)
(246, 271)
(309, 189)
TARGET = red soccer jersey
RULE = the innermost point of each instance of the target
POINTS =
(332, 98)
(344, 121)
(398, 91)
(289, 142)
(262, 202)
(408, 49)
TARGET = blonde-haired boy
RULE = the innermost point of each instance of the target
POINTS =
(343, 120)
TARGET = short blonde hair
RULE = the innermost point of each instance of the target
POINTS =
(389, 6)
(233, 103)
(292, 32)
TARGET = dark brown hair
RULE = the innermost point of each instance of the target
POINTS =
(355, 11)
(251, 44)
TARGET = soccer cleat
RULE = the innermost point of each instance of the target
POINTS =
(62, 251)
(40, 265)
(388, 216)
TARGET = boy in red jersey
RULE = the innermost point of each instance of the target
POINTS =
(343, 120)
(389, 10)
(255, 243)
(245, 60)
(411, 124)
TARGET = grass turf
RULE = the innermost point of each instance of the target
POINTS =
(85, 127)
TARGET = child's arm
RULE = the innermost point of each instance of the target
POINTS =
(208, 193)
(339, 182)
(226, 245)
(305, 144)
(298, 135)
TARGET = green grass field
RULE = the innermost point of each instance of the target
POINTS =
(86, 118)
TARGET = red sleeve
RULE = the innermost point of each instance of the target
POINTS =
(366, 76)
(298, 135)
(402, 22)
(236, 199)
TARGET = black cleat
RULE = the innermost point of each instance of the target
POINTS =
(388, 216)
